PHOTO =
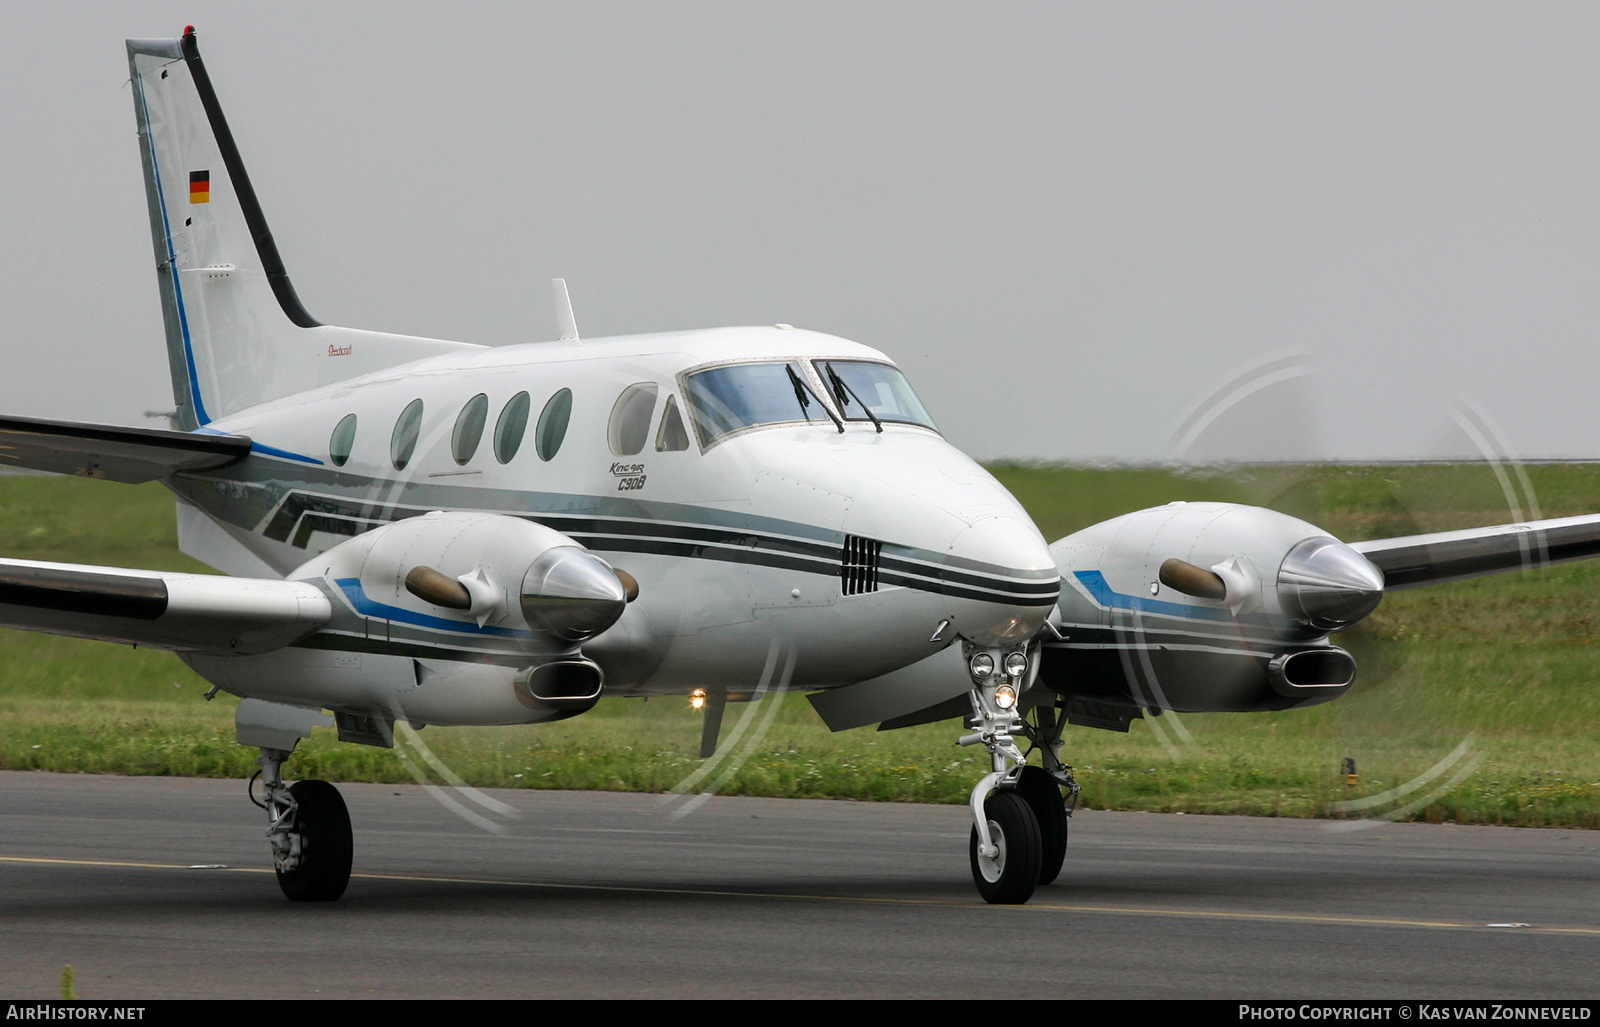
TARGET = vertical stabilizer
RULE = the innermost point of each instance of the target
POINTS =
(237, 334)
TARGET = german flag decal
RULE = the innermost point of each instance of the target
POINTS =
(199, 187)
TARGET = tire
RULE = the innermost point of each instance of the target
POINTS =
(323, 824)
(1009, 878)
(1044, 798)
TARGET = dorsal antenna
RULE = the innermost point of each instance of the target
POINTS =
(565, 322)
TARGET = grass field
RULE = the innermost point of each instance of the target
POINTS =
(1478, 702)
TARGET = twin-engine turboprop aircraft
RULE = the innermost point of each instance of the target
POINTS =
(440, 533)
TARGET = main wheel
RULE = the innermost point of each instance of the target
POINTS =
(323, 823)
(1009, 877)
(1044, 798)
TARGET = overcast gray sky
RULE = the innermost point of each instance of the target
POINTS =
(1070, 223)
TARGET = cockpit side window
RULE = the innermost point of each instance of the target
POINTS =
(725, 399)
(629, 428)
(869, 391)
(671, 437)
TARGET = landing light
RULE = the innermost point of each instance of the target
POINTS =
(697, 698)
(982, 666)
(1016, 664)
(1005, 697)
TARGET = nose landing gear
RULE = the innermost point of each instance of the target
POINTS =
(1019, 832)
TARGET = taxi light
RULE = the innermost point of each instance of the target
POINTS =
(1005, 697)
(697, 698)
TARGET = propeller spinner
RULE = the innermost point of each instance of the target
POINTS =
(1322, 583)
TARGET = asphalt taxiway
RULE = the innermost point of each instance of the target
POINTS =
(162, 888)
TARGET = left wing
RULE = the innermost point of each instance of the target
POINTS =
(161, 609)
(130, 455)
(1413, 560)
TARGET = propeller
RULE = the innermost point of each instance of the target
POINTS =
(1322, 582)
(569, 592)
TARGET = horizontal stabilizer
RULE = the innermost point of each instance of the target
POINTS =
(130, 455)
(1413, 560)
(160, 609)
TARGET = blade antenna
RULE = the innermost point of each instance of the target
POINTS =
(566, 323)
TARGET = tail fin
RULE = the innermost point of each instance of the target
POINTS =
(237, 334)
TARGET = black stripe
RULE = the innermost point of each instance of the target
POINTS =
(105, 595)
(958, 592)
(1051, 587)
(266, 248)
(764, 558)
(1083, 636)
(338, 642)
(302, 513)
(608, 526)
(331, 525)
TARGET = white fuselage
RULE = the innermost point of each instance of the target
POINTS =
(737, 544)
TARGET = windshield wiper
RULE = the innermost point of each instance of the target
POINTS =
(803, 394)
(840, 388)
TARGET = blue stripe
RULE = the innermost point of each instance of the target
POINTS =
(372, 608)
(172, 260)
(265, 450)
(1102, 592)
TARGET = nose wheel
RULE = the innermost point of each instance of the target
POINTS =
(1009, 873)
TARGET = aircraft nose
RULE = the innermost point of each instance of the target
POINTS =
(1003, 570)
(1328, 585)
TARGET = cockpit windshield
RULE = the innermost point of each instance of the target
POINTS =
(726, 399)
(868, 391)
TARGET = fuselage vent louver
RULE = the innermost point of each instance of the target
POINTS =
(858, 565)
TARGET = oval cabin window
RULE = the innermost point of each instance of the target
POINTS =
(403, 443)
(552, 429)
(342, 440)
(508, 431)
(469, 428)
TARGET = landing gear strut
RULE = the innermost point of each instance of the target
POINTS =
(309, 829)
(1019, 833)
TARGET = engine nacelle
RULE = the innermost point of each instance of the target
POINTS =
(492, 606)
(1256, 570)
(1202, 607)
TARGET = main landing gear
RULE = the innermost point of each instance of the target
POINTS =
(1019, 832)
(309, 829)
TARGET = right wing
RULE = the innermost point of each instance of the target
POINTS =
(161, 609)
(130, 455)
(1413, 560)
